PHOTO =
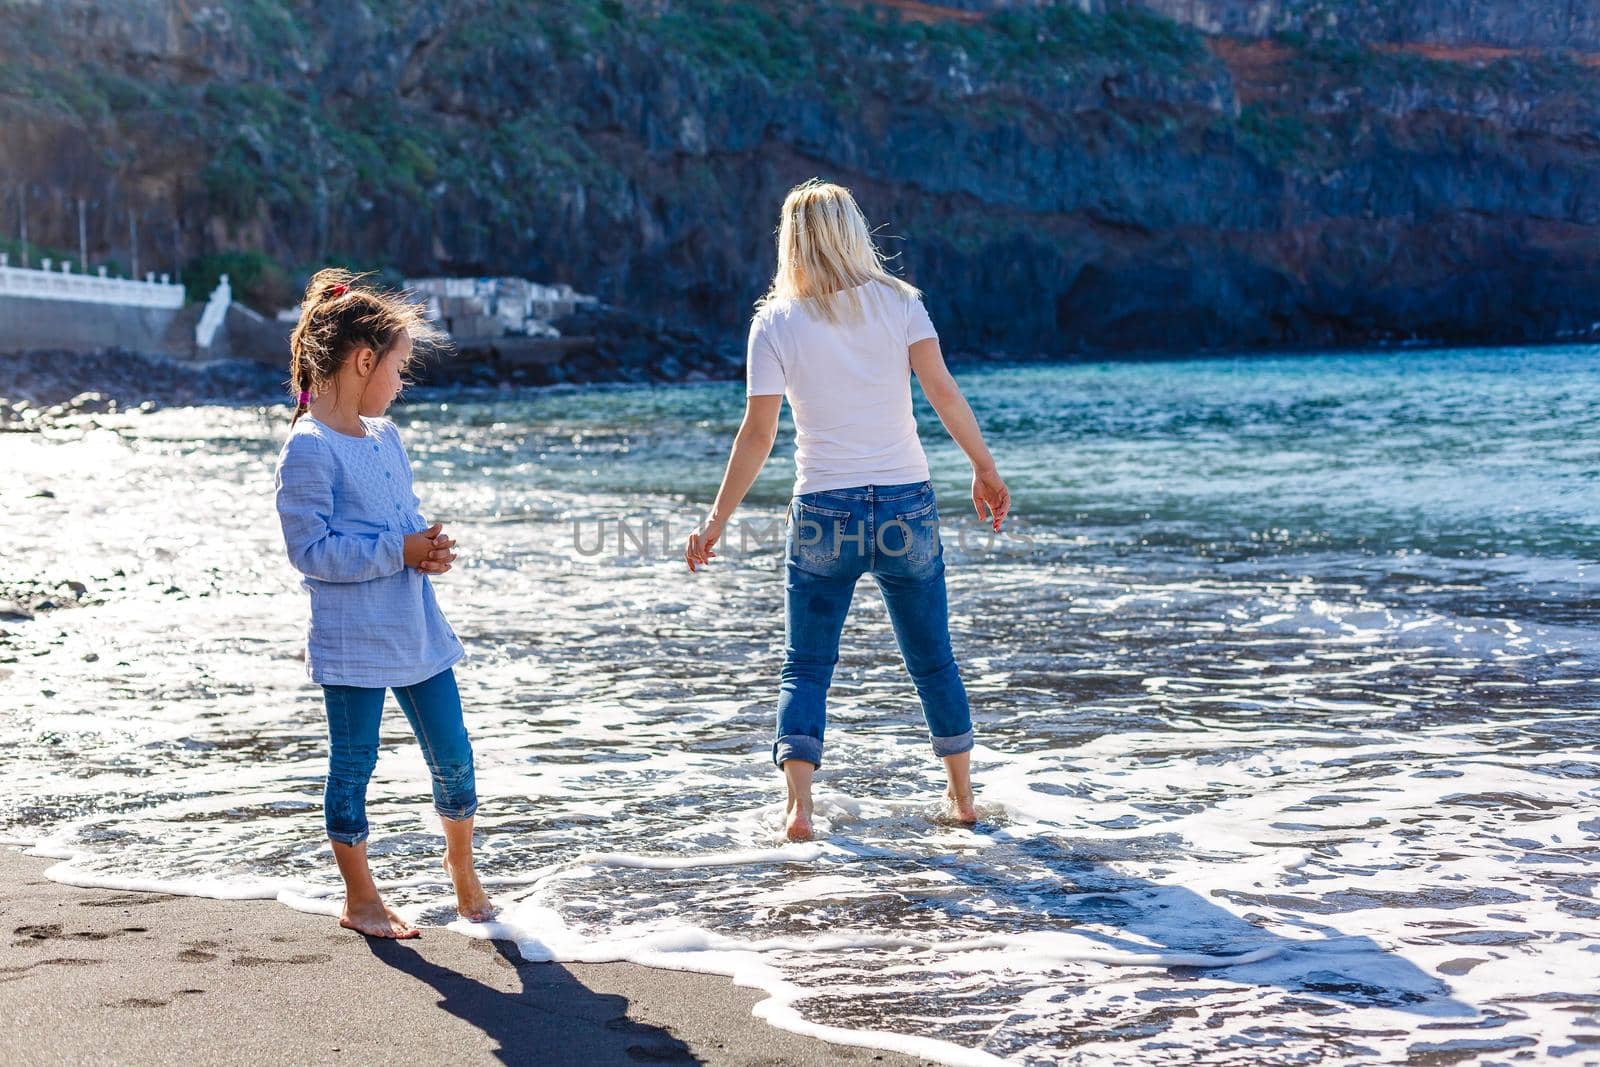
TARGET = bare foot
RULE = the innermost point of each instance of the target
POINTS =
(472, 903)
(797, 821)
(376, 919)
(962, 807)
(797, 775)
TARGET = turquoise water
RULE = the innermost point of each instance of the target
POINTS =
(1283, 680)
(1481, 451)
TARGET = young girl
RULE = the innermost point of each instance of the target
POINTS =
(840, 336)
(352, 528)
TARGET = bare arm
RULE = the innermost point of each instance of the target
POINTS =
(751, 447)
(988, 489)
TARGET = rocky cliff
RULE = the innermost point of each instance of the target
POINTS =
(1057, 177)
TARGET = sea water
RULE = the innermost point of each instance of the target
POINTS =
(1283, 678)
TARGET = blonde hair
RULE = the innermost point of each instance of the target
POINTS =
(825, 250)
(341, 314)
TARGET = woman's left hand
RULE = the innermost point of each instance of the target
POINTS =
(701, 541)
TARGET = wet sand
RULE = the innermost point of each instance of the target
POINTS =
(91, 976)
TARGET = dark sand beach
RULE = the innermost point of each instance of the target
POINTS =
(107, 977)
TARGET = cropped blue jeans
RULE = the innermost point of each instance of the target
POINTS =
(434, 710)
(833, 538)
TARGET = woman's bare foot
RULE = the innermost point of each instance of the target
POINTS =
(472, 903)
(797, 820)
(959, 792)
(962, 807)
(797, 810)
(376, 919)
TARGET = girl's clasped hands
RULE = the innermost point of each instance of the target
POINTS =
(430, 551)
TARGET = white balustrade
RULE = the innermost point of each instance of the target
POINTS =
(215, 313)
(47, 284)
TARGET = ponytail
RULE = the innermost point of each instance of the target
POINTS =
(339, 315)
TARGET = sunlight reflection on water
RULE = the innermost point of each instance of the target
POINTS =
(1295, 667)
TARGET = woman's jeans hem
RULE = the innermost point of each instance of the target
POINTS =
(797, 746)
(951, 746)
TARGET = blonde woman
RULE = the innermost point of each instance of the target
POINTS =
(840, 336)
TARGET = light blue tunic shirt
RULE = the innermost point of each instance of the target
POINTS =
(346, 504)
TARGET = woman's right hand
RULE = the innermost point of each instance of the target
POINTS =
(430, 551)
(699, 549)
(989, 491)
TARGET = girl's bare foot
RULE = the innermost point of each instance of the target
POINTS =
(472, 903)
(364, 910)
(376, 919)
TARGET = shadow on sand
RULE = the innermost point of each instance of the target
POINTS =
(553, 1020)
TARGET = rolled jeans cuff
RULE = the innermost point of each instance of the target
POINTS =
(953, 745)
(349, 839)
(457, 814)
(797, 746)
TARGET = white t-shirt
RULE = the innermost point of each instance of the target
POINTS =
(848, 384)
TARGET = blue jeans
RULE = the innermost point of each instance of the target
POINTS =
(434, 709)
(835, 536)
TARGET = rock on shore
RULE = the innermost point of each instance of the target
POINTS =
(40, 388)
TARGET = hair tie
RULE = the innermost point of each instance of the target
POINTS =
(305, 397)
(339, 290)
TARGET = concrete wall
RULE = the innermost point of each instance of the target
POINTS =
(69, 326)
(247, 335)
(80, 327)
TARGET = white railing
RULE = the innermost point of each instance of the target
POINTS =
(211, 319)
(61, 284)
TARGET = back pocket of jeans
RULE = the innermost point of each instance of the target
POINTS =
(819, 532)
(919, 527)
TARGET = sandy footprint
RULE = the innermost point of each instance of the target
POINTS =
(244, 960)
(198, 951)
(138, 1002)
